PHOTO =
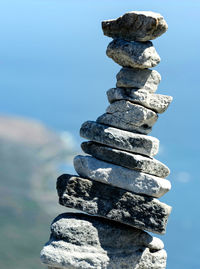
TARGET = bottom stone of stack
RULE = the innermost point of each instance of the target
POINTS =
(113, 203)
(84, 242)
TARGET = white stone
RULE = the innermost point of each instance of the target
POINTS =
(60, 254)
(121, 177)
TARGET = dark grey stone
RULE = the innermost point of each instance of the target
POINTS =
(129, 160)
(136, 25)
(113, 203)
(120, 139)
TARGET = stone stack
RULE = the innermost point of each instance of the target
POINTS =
(119, 180)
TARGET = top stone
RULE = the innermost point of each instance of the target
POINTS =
(136, 26)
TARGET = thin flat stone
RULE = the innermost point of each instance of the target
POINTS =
(116, 138)
(83, 241)
(133, 54)
(136, 26)
(121, 177)
(126, 159)
(156, 102)
(128, 116)
(138, 79)
(95, 198)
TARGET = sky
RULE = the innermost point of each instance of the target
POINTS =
(54, 68)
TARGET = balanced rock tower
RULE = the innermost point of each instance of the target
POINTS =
(119, 182)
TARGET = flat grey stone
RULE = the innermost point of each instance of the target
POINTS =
(133, 54)
(96, 198)
(127, 116)
(136, 26)
(121, 177)
(82, 241)
(126, 159)
(113, 137)
(156, 102)
(138, 79)
(111, 120)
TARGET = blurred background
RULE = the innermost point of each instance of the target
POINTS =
(54, 75)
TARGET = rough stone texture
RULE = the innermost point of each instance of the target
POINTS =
(61, 254)
(75, 227)
(156, 102)
(120, 123)
(133, 54)
(67, 256)
(121, 177)
(95, 198)
(106, 244)
(128, 116)
(113, 137)
(138, 79)
(126, 159)
(136, 26)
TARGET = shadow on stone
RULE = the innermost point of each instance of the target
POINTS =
(82, 241)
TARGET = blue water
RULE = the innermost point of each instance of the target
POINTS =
(53, 68)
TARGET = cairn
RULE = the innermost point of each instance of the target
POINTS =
(119, 180)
